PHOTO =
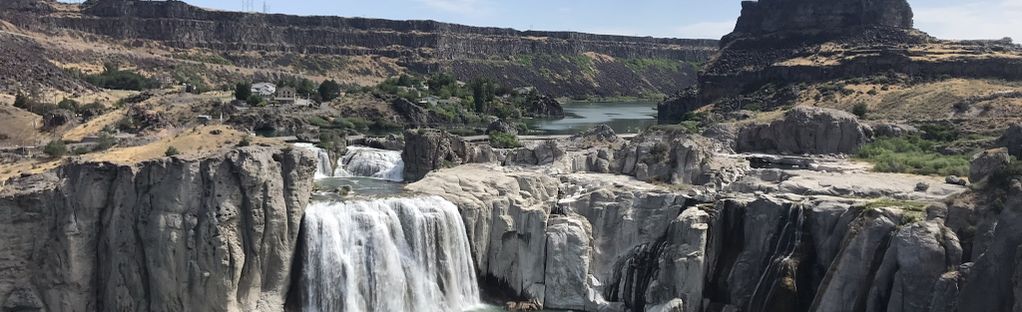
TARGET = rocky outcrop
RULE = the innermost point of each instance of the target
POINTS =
(987, 163)
(838, 16)
(671, 157)
(806, 130)
(780, 45)
(1012, 139)
(213, 234)
(426, 150)
(544, 107)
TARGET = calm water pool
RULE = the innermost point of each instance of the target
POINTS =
(623, 117)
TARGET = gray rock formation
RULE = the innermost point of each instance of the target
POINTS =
(216, 234)
(919, 254)
(771, 16)
(806, 130)
(665, 157)
(987, 163)
(426, 150)
(1012, 139)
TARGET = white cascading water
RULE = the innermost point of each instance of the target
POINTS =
(403, 254)
(371, 162)
(324, 165)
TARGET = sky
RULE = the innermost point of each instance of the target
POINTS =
(948, 19)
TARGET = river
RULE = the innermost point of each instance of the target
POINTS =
(623, 117)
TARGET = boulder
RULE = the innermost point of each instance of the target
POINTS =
(892, 130)
(806, 130)
(987, 163)
(1012, 139)
(543, 106)
(501, 126)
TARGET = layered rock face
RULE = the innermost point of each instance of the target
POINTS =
(419, 46)
(769, 16)
(781, 43)
(638, 247)
(216, 234)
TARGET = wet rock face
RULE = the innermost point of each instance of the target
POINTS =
(768, 16)
(215, 234)
(806, 130)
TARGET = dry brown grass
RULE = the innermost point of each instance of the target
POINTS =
(191, 143)
(20, 127)
(94, 126)
(12, 170)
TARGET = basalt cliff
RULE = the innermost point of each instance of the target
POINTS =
(787, 52)
(211, 234)
(557, 63)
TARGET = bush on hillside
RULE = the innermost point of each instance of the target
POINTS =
(913, 155)
(115, 78)
(55, 148)
(504, 140)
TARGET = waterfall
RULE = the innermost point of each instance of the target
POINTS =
(372, 163)
(324, 166)
(782, 265)
(408, 254)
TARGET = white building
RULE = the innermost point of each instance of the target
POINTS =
(264, 89)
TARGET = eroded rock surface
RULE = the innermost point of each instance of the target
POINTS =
(215, 234)
(806, 130)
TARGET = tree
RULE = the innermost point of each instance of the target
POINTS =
(68, 104)
(255, 100)
(329, 90)
(483, 92)
(55, 148)
(860, 110)
(171, 152)
(242, 91)
(22, 101)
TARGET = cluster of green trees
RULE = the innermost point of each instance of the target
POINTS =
(31, 102)
(327, 91)
(477, 97)
(113, 77)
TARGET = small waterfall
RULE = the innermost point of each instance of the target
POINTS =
(324, 166)
(779, 282)
(409, 254)
(373, 163)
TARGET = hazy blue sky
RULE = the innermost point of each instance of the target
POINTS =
(954, 19)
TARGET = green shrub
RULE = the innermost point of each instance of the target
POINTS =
(255, 100)
(329, 90)
(245, 141)
(940, 132)
(913, 155)
(68, 104)
(105, 142)
(55, 148)
(114, 78)
(860, 110)
(171, 152)
(504, 140)
(242, 91)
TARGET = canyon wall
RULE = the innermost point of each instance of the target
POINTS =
(511, 56)
(216, 234)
